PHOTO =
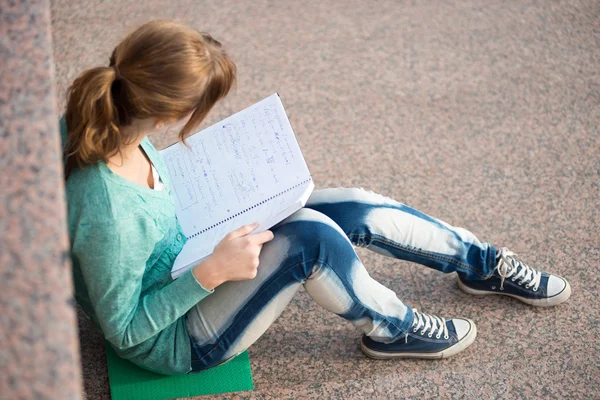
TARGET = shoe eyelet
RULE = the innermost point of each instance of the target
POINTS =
(527, 286)
(437, 336)
(430, 335)
(422, 332)
(414, 330)
(535, 289)
(446, 337)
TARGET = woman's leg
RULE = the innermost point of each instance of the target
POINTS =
(308, 248)
(396, 230)
(393, 229)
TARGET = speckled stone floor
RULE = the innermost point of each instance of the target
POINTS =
(482, 113)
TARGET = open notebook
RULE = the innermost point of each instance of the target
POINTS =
(243, 169)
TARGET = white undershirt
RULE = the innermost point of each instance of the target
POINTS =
(158, 184)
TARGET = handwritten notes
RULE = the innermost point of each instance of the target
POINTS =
(245, 168)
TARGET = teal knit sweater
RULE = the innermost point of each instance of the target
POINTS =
(124, 240)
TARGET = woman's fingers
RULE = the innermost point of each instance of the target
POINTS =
(263, 237)
(242, 230)
(257, 238)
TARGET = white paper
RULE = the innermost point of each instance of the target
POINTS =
(243, 169)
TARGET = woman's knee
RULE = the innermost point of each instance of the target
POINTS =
(308, 227)
(314, 239)
(343, 194)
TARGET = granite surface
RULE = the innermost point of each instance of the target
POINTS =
(482, 113)
(39, 353)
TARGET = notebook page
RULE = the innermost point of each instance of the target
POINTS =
(283, 206)
(233, 165)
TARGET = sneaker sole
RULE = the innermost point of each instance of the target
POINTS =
(547, 302)
(450, 351)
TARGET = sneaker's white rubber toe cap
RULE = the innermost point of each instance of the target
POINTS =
(466, 332)
(556, 285)
(463, 327)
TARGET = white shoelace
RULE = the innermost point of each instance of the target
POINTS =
(429, 322)
(509, 266)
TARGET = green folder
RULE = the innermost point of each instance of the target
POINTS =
(130, 382)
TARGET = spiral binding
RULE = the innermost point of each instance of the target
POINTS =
(248, 209)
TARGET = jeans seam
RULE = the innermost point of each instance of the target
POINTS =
(356, 300)
(244, 307)
(387, 241)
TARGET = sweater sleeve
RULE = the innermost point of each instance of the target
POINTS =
(112, 257)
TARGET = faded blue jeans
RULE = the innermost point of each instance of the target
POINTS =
(314, 247)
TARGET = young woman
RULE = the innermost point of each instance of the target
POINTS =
(125, 234)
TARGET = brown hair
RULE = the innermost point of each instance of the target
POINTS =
(163, 70)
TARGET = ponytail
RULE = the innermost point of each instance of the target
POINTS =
(164, 70)
(92, 119)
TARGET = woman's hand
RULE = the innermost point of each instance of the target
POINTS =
(234, 259)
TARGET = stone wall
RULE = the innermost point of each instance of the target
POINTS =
(39, 357)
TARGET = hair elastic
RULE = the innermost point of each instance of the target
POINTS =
(117, 73)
